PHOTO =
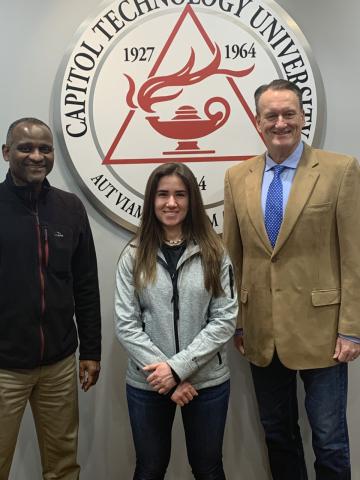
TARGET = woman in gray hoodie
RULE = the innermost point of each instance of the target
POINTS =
(175, 309)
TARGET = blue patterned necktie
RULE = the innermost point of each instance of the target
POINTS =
(274, 205)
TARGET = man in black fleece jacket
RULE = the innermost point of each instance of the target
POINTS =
(48, 277)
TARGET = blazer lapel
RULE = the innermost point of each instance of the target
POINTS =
(253, 184)
(304, 182)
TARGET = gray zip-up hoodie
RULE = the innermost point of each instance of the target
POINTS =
(177, 322)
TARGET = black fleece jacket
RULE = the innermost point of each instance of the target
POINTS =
(48, 274)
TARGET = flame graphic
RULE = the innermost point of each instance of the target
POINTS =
(184, 77)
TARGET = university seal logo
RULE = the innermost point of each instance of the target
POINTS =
(155, 81)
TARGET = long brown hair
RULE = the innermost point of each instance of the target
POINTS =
(196, 227)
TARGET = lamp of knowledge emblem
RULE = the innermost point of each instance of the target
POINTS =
(150, 82)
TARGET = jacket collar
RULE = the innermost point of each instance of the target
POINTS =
(305, 179)
(303, 184)
(191, 250)
(26, 193)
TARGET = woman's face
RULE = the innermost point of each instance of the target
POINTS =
(171, 203)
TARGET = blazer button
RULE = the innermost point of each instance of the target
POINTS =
(274, 259)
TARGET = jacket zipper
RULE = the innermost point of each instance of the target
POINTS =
(231, 280)
(174, 300)
(43, 257)
(231, 283)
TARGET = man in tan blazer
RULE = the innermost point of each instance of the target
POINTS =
(293, 233)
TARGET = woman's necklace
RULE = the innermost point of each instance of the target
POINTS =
(172, 243)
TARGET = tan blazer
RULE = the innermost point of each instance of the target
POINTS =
(299, 295)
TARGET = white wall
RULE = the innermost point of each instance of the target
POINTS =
(33, 39)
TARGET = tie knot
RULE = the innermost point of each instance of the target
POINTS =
(278, 169)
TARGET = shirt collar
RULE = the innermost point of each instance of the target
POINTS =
(291, 162)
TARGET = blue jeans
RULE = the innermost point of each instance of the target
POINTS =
(151, 418)
(325, 403)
